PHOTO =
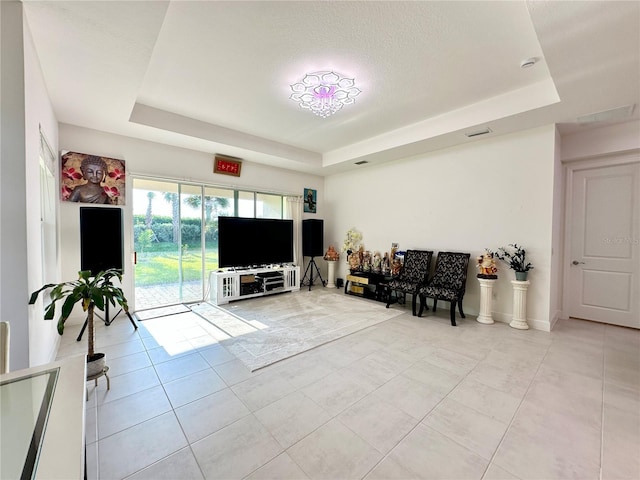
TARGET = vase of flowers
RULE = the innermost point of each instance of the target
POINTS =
(352, 245)
(515, 257)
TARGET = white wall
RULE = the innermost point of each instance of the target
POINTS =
(43, 336)
(13, 211)
(25, 106)
(487, 194)
(162, 161)
(557, 235)
(594, 142)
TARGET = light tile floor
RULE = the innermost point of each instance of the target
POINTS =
(409, 398)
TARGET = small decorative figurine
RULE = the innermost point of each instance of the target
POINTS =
(354, 261)
(487, 265)
(396, 266)
(366, 261)
(377, 263)
(386, 267)
(331, 255)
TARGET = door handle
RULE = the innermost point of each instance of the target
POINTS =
(575, 262)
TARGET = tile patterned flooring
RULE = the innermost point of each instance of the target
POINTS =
(410, 398)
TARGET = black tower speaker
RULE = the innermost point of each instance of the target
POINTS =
(312, 234)
(101, 239)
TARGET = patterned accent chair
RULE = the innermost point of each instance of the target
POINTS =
(413, 275)
(448, 282)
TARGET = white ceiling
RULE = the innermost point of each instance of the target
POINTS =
(214, 76)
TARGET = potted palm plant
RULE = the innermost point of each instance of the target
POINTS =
(91, 291)
(516, 259)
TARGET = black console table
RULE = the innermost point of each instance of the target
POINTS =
(368, 285)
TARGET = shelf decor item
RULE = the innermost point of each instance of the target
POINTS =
(91, 292)
(353, 247)
(515, 257)
(487, 266)
(352, 241)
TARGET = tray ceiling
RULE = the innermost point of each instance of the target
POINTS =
(214, 76)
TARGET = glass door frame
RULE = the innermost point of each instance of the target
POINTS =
(177, 210)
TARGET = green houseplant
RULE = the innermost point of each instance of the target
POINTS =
(515, 257)
(91, 292)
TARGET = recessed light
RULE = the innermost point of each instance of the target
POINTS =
(529, 62)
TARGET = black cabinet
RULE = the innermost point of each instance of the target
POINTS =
(368, 285)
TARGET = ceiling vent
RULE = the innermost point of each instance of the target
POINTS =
(477, 133)
(361, 162)
(529, 62)
(613, 115)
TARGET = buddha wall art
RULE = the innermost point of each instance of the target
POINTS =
(89, 178)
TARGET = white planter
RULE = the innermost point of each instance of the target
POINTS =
(95, 366)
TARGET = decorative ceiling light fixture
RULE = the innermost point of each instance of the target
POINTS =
(324, 93)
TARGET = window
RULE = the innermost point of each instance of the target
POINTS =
(269, 205)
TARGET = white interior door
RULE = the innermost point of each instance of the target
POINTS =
(604, 243)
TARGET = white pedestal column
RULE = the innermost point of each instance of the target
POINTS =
(331, 280)
(519, 305)
(486, 297)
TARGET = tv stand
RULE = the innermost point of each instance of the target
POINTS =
(231, 285)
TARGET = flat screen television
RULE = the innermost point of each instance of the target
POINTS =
(253, 242)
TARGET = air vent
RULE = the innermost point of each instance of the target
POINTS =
(478, 132)
(361, 162)
(529, 62)
(615, 114)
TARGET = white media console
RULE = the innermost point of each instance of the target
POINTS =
(229, 285)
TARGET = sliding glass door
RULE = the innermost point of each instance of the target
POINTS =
(169, 243)
(218, 202)
(156, 234)
(175, 230)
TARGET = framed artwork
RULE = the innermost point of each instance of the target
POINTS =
(227, 165)
(310, 200)
(92, 179)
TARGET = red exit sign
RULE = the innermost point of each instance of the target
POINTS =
(227, 165)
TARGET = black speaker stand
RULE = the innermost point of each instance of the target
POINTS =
(309, 272)
(107, 320)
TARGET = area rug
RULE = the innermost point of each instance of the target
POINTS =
(161, 312)
(268, 329)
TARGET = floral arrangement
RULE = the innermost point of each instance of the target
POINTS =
(352, 242)
(515, 259)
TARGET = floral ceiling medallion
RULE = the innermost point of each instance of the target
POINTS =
(324, 93)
